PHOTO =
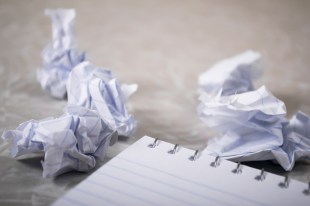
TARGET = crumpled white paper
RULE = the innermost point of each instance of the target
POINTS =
(96, 88)
(249, 121)
(252, 124)
(233, 75)
(74, 141)
(61, 55)
(96, 111)
(296, 144)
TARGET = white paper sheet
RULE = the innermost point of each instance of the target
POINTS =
(96, 88)
(141, 175)
(233, 75)
(74, 141)
(61, 55)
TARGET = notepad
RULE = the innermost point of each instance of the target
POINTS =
(153, 172)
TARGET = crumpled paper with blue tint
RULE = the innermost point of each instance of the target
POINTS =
(96, 88)
(252, 123)
(95, 114)
(74, 141)
(232, 75)
(61, 55)
(249, 122)
(296, 144)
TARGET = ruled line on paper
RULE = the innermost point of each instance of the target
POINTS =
(170, 185)
(153, 179)
(193, 182)
(122, 192)
(148, 189)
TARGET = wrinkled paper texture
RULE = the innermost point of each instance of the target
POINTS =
(233, 75)
(61, 55)
(74, 141)
(96, 88)
(252, 123)
(95, 115)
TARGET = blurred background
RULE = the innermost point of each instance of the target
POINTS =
(163, 46)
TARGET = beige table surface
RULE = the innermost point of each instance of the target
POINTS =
(161, 45)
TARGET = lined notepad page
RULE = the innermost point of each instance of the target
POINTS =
(141, 175)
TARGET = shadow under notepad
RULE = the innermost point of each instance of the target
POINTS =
(268, 166)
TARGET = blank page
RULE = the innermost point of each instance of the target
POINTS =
(142, 175)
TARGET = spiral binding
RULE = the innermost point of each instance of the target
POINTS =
(216, 162)
(195, 156)
(174, 150)
(238, 170)
(307, 191)
(261, 176)
(154, 144)
(285, 183)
